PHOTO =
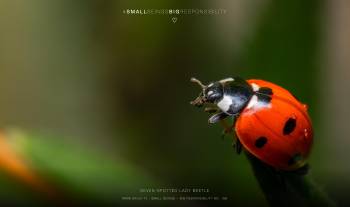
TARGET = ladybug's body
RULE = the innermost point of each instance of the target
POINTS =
(270, 122)
(277, 131)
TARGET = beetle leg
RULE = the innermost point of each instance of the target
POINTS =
(227, 127)
(227, 130)
(217, 117)
(224, 132)
(238, 146)
(211, 110)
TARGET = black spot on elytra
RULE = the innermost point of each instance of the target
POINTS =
(265, 90)
(289, 126)
(294, 159)
(263, 98)
(264, 95)
(260, 142)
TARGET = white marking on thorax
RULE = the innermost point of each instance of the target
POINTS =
(253, 102)
(210, 92)
(210, 85)
(255, 86)
(225, 103)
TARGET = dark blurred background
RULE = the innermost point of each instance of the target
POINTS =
(83, 71)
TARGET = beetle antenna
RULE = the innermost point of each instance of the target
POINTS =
(195, 80)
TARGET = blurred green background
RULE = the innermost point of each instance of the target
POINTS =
(101, 98)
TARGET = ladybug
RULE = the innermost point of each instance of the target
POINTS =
(270, 123)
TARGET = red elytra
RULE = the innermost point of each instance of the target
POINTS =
(279, 133)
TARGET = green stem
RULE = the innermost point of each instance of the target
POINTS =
(288, 188)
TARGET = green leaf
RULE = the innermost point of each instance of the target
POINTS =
(83, 173)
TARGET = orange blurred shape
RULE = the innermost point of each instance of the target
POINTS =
(11, 163)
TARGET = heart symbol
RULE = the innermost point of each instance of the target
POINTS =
(174, 19)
